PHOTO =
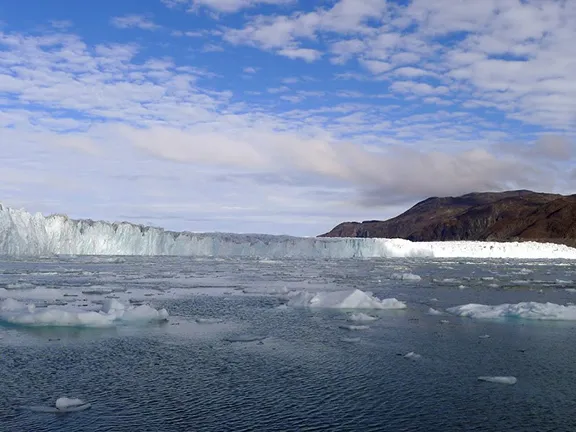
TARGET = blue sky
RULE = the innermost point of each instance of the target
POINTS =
(281, 116)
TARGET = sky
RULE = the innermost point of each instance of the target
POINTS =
(281, 116)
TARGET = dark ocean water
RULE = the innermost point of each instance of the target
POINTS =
(298, 374)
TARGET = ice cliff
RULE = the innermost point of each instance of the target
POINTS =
(22, 233)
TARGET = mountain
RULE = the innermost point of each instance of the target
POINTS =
(490, 216)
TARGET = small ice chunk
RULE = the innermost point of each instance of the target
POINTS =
(350, 339)
(362, 317)
(354, 327)
(209, 320)
(62, 405)
(64, 402)
(433, 311)
(499, 379)
(20, 286)
(412, 356)
(443, 321)
(97, 291)
(245, 338)
(405, 276)
(484, 336)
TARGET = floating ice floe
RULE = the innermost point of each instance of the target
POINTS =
(209, 320)
(245, 338)
(362, 317)
(524, 310)
(20, 286)
(499, 379)
(433, 311)
(354, 327)
(348, 299)
(111, 312)
(62, 405)
(405, 276)
(412, 356)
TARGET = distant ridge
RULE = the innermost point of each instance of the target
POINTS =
(489, 216)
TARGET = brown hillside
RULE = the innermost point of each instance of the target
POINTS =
(497, 216)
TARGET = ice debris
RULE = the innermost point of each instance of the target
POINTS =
(499, 379)
(412, 356)
(361, 317)
(111, 312)
(62, 405)
(209, 320)
(524, 310)
(354, 327)
(350, 339)
(245, 338)
(433, 311)
(405, 276)
(347, 299)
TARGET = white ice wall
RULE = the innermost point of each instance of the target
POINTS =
(22, 233)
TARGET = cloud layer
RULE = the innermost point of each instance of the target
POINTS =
(262, 115)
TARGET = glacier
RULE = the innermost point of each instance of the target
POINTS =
(26, 234)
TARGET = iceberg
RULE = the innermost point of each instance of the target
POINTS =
(112, 312)
(345, 299)
(26, 234)
(524, 310)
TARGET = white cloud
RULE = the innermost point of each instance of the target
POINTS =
(212, 48)
(134, 21)
(427, 98)
(412, 72)
(375, 66)
(226, 6)
(61, 24)
(418, 88)
(306, 54)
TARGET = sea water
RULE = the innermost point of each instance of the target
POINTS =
(236, 355)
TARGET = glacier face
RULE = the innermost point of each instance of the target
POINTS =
(22, 233)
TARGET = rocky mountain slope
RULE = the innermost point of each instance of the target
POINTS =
(491, 216)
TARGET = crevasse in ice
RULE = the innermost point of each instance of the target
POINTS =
(22, 233)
